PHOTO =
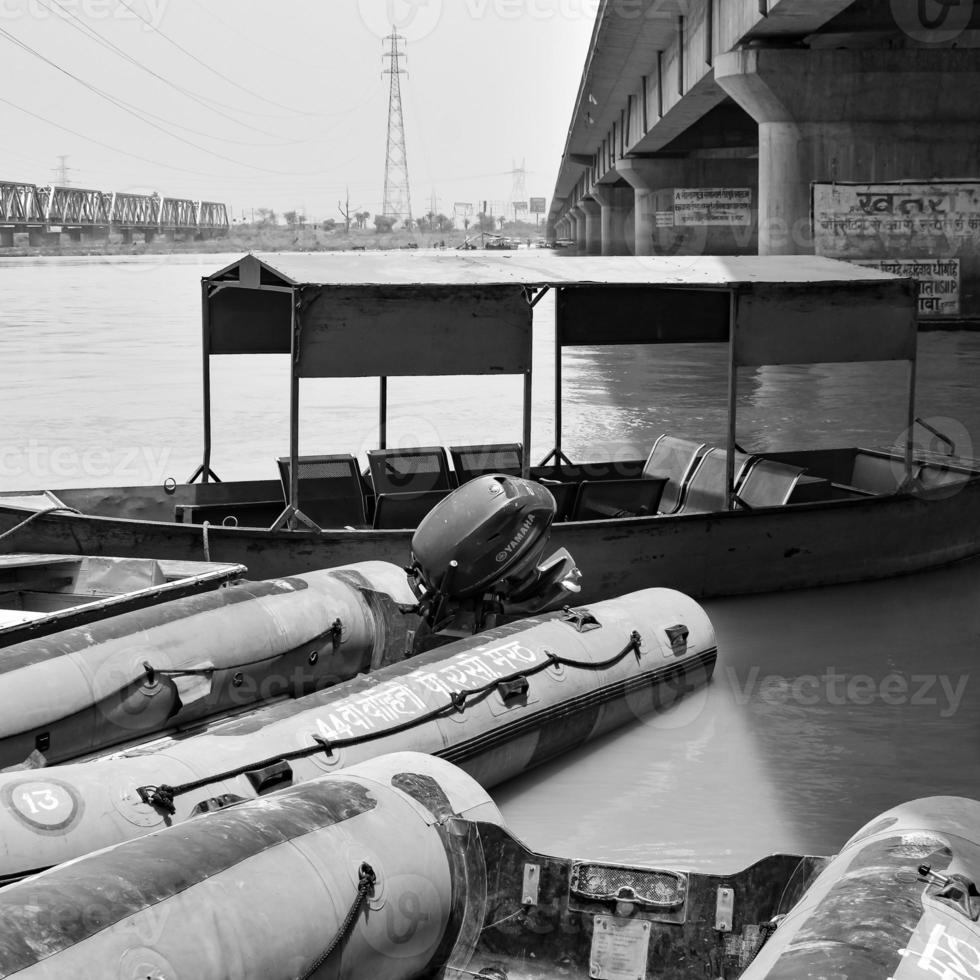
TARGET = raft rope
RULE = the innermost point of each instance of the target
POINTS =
(35, 516)
(365, 882)
(162, 796)
(207, 543)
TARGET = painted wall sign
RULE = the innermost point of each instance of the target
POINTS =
(712, 205)
(911, 222)
(939, 281)
(852, 220)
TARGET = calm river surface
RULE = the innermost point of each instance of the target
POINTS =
(827, 706)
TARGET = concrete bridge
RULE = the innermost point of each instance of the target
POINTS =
(849, 128)
(45, 213)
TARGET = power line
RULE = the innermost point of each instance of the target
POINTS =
(210, 68)
(122, 53)
(137, 114)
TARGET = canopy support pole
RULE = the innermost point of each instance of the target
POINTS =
(525, 462)
(556, 454)
(909, 432)
(383, 414)
(292, 514)
(204, 471)
(732, 402)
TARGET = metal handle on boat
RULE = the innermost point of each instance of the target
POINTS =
(942, 438)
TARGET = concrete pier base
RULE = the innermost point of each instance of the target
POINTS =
(593, 226)
(6, 237)
(578, 219)
(617, 206)
(654, 180)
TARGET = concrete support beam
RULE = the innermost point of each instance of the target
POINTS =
(74, 235)
(617, 206)
(654, 180)
(863, 115)
(6, 237)
(127, 236)
(593, 225)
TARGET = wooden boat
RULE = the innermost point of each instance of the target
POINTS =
(708, 520)
(41, 594)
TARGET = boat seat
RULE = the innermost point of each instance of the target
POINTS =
(471, 461)
(330, 489)
(564, 492)
(768, 484)
(672, 459)
(605, 499)
(409, 470)
(404, 510)
(705, 491)
(878, 474)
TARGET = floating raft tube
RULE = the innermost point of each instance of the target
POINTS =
(142, 672)
(497, 704)
(357, 868)
(899, 901)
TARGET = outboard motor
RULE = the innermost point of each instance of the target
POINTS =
(477, 555)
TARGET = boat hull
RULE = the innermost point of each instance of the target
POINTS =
(742, 552)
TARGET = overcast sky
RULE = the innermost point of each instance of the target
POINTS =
(286, 104)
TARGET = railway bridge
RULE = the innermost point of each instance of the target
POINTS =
(46, 213)
(847, 128)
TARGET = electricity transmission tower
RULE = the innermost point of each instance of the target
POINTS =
(61, 171)
(518, 189)
(397, 199)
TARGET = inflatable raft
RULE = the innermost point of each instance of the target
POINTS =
(401, 867)
(497, 703)
(133, 675)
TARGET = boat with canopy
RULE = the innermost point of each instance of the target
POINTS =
(705, 519)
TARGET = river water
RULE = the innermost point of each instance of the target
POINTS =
(827, 705)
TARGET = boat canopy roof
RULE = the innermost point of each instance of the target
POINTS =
(399, 313)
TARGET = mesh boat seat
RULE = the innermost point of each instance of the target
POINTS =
(330, 489)
(706, 491)
(404, 510)
(672, 459)
(409, 470)
(768, 484)
(471, 461)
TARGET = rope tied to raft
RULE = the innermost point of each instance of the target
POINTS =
(365, 882)
(162, 796)
(35, 516)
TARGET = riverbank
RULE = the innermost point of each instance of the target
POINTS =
(271, 238)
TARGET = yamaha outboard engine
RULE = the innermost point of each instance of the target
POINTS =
(477, 555)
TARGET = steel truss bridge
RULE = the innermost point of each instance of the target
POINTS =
(42, 211)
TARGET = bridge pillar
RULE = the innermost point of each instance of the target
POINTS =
(862, 114)
(661, 227)
(37, 237)
(593, 225)
(578, 228)
(94, 236)
(6, 237)
(74, 235)
(127, 235)
(617, 202)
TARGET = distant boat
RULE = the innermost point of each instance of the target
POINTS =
(42, 594)
(708, 520)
